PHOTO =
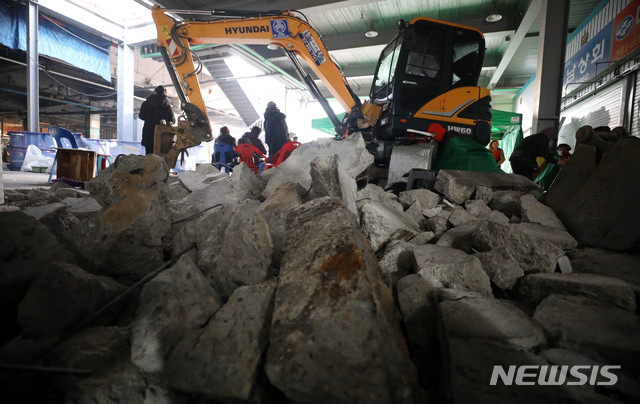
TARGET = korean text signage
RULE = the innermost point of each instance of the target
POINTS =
(591, 59)
(627, 31)
(619, 38)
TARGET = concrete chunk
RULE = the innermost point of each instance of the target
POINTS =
(275, 210)
(460, 216)
(351, 152)
(478, 208)
(559, 238)
(51, 305)
(234, 248)
(427, 198)
(329, 178)
(477, 334)
(535, 288)
(398, 260)
(334, 335)
(160, 322)
(533, 211)
(382, 219)
(593, 327)
(452, 267)
(503, 270)
(245, 183)
(449, 185)
(221, 361)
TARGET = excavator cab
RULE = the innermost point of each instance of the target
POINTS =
(428, 74)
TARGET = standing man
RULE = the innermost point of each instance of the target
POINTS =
(276, 132)
(155, 109)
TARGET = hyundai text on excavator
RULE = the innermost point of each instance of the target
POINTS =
(425, 81)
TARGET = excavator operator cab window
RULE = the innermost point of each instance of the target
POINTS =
(425, 57)
(466, 54)
(383, 83)
(424, 71)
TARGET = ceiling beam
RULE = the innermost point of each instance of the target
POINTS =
(358, 40)
(251, 5)
(514, 44)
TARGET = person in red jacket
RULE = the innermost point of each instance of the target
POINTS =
(498, 153)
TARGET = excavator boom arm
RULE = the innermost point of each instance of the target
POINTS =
(281, 29)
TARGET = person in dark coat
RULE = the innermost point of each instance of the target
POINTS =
(276, 132)
(153, 110)
(523, 158)
(225, 137)
(252, 137)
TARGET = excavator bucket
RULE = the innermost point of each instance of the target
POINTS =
(170, 141)
(596, 193)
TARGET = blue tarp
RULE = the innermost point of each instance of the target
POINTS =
(69, 44)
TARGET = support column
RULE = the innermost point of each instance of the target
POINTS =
(92, 126)
(549, 73)
(126, 70)
(33, 81)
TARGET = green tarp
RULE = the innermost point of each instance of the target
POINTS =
(506, 127)
(464, 153)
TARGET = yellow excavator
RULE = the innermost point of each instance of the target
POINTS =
(425, 81)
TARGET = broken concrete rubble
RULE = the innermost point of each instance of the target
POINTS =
(329, 178)
(502, 268)
(318, 352)
(397, 261)
(381, 220)
(245, 183)
(54, 304)
(351, 152)
(453, 268)
(233, 244)
(597, 329)
(559, 238)
(160, 322)
(274, 211)
(221, 360)
(533, 211)
(223, 314)
(427, 199)
(535, 288)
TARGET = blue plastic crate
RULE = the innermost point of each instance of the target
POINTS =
(16, 156)
(42, 140)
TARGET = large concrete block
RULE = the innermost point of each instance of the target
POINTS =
(329, 178)
(453, 268)
(595, 328)
(275, 209)
(351, 152)
(161, 321)
(334, 335)
(382, 220)
(55, 302)
(503, 270)
(559, 238)
(535, 288)
(221, 361)
(533, 211)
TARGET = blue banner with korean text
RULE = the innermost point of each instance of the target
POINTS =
(593, 58)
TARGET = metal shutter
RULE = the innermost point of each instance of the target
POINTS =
(600, 109)
(635, 112)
